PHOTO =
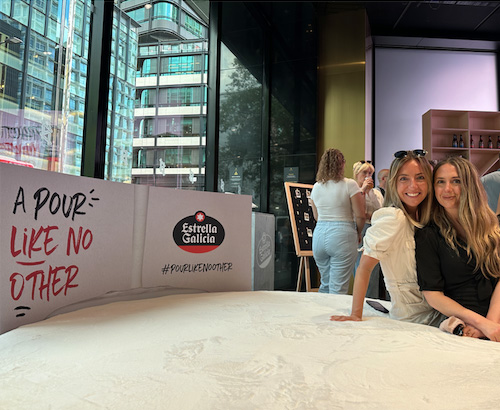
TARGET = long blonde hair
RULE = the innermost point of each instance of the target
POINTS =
(391, 192)
(331, 166)
(482, 232)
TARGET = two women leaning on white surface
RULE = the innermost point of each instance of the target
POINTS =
(390, 240)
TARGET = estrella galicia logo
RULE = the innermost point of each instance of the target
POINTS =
(264, 252)
(198, 233)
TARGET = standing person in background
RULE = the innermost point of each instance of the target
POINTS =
(491, 183)
(498, 208)
(363, 172)
(376, 287)
(382, 176)
(458, 254)
(339, 209)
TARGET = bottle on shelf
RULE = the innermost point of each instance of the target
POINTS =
(490, 142)
(481, 143)
(498, 142)
(461, 142)
(454, 143)
(472, 141)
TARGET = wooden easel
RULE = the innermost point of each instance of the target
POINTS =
(299, 228)
(304, 270)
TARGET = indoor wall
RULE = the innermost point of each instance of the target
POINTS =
(341, 85)
(410, 82)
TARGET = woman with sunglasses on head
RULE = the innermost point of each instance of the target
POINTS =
(363, 175)
(338, 207)
(390, 241)
(458, 254)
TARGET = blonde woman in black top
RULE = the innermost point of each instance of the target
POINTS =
(458, 254)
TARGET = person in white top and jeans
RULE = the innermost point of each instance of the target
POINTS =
(339, 209)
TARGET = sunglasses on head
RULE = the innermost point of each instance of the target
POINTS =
(416, 152)
(365, 162)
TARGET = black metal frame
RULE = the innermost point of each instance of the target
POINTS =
(96, 103)
(212, 140)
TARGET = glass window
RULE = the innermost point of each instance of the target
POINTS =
(144, 158)
(38, 21)
(240, 112)
(54, 8)
(53, 30)
(52, 137)
(138, 15)
(122, 70)
(148, 50)
(40, 4)
(79, 17)
(5, 7)
(181, 157)
(180, 97)
(21, 12)
(77, 44)
(165, 11)
(149, 158)
(181, 65)
(148, 68)
(146, 98)
(181, 126)
(144, 127)
(193, 26)
(170, 48)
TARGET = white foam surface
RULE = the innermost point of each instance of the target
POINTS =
(242, 350)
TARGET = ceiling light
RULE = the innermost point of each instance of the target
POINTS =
(148, 6)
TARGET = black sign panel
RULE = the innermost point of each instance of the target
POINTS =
(301, 216)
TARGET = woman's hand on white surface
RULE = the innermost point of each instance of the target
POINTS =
(341, 318)
(471, 331)
(491, 330)
(449, 307)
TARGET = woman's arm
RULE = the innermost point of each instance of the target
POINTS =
(366, 265)
(494, 309)
(358, 207)
(315, 210)
(449, 307)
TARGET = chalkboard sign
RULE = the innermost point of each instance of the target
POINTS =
(298, 197)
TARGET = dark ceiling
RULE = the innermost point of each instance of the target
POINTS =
(464, 20)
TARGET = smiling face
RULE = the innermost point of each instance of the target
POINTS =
(447, 188)
(411, 186)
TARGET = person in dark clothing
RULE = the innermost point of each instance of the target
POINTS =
(382, 177)
(458, 253)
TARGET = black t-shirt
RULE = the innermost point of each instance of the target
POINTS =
(439, 268)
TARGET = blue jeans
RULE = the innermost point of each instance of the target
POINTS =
(335, 250)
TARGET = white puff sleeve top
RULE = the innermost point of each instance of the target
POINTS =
(390, 240)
